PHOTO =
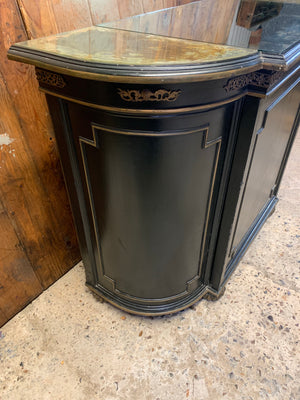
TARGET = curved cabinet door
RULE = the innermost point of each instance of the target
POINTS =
(148, 188)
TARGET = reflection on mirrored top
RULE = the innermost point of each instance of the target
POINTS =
(270, 26)
(121, 47)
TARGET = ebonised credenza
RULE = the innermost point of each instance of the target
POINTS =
(172, 151)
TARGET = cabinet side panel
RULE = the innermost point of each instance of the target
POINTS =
(271, 143)
(63, 131)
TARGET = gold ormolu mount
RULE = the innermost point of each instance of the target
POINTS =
(50, 78)
(146, 95)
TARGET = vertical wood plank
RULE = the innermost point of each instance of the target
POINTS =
(205, 20)
(183, 2)
(149, 6)
(103, 11)
(3, 318)
(48, 17)
(18, 283)
(245, 13)
(25, 200)
(128, 8)
(197, 21)
(113, 10)
(31, 179)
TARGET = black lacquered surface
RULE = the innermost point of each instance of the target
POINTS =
(149, 195)
(168, 178)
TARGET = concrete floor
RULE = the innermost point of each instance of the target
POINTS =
(69, 345)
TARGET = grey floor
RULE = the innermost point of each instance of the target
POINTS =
(69, 345)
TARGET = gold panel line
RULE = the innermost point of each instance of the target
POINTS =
(121, 110)
(206, 145)
(205, 291)
(162, 78)
(93, 143)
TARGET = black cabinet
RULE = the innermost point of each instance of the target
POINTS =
(147, 188)
(172, 152)
(267, 130)
(165, 202)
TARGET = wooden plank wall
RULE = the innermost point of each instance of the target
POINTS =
(38, 240)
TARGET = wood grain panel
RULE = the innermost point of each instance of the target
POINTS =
(127, 8)
(3, 318)
(199, 21)
(18, 283)
(155, 5)
(47, 17)
(103, 11)
(112, 10)
(245, 13)
(31, 178)
(25, 200)
(149, 6)
(130, 7)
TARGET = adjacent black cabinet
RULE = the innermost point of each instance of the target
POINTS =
(266, 133)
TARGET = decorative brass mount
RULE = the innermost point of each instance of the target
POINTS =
(50, 78)
(147, 95)
(258, 79)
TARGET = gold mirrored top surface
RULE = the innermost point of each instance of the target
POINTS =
(120, 47)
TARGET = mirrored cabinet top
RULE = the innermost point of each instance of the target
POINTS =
(122, 47)
(202, 37)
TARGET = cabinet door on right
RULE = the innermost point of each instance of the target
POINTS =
(272, 144)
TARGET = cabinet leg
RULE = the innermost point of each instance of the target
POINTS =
(272, 211)
(214, 297)
(98, 297)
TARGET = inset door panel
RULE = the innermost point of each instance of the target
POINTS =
(149, 196)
